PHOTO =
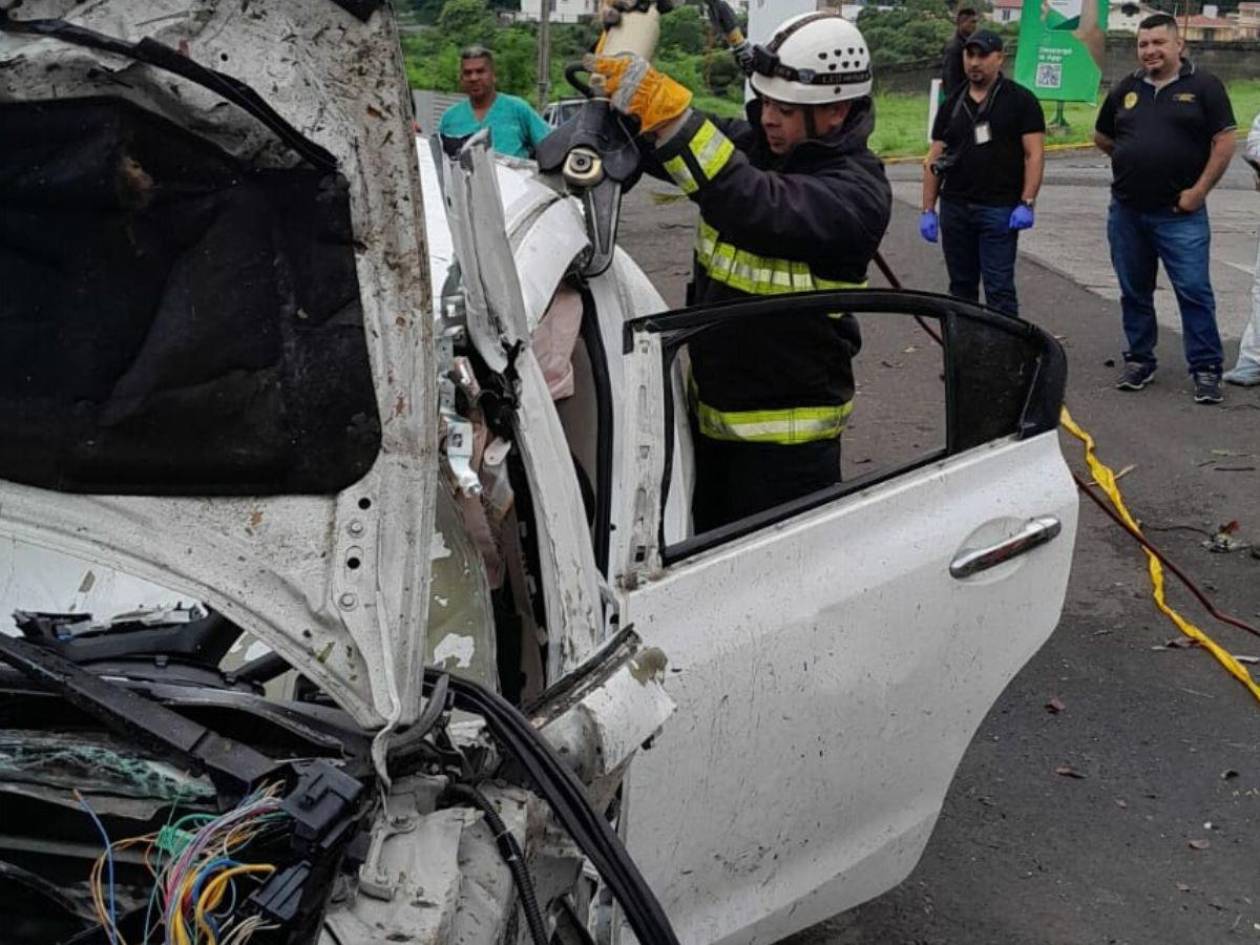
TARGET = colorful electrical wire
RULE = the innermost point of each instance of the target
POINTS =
(197, 879)
(197, 864)
(110, 921)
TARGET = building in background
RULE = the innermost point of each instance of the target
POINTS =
(562, 11)
(765, 15)
(1210, 26)
(1125, 17)
(1248, 21)
(1006, 11)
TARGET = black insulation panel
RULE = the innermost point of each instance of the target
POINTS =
(172, 321)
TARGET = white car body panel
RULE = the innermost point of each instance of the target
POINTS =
(276, 566)
(829, 673)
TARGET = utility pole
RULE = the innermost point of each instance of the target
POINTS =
(544, 52)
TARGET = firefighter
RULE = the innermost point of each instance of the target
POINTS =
(791, 200)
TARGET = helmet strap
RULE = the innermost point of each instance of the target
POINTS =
(811, 124)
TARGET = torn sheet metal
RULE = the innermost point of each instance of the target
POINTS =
(643, 462)
(575, 615)
(600, 722)
(494, 306)
(337, 585)
(545, 229)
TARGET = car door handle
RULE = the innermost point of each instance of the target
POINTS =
(1036, 531)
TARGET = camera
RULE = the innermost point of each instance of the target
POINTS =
(940, 167)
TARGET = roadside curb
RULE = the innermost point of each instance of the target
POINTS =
(1050, 149)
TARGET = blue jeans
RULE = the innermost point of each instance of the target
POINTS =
(1140, 240)
(979, 244)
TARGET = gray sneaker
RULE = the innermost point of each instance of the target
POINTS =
(1245, 375)
(1207, 387)
(1137, 374)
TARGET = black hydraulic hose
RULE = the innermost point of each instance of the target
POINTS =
(408, 744)
(896, 284)
(568, 800)
(512, 855)
(1163, 559)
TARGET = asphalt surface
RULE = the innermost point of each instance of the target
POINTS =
(1157, 838)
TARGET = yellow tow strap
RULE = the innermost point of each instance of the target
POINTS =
(1106, 479)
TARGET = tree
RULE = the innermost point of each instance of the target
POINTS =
(516, 62)
(427, 10)
(465, 22)
(683, 31)
(918, 29)
(722, 75)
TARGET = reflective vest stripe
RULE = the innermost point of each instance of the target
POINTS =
(678, 169)
(789, 427)
(707, 153)
(712, 149)
(758, 275)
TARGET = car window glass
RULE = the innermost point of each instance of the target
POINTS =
(899, 412)
(791, 409)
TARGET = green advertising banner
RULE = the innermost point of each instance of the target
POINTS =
(1061, 48)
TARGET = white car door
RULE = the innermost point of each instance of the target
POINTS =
(832, 660)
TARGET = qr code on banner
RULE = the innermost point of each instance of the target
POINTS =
(1049, 75)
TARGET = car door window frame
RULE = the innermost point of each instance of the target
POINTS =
(971, 417)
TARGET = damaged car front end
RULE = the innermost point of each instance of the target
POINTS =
(217, 375)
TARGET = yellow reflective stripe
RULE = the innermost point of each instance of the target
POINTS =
(711, 148)
(678, 169)
(788, 427)
(758, 275)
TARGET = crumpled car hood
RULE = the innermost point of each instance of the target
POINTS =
(335, 583)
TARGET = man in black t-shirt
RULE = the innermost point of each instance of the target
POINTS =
(986, 163)
(1169, 129)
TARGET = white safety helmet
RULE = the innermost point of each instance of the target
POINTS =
(813, 59)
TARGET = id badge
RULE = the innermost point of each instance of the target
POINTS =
(983, 134)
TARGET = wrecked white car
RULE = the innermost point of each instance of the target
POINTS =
(411, 442)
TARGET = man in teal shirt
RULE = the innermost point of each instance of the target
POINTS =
(515, 128)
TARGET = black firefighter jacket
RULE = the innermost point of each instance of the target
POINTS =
(809, 221)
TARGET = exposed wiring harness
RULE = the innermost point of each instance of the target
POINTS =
(204, 863)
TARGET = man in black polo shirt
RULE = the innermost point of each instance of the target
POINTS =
(986, 163)
(1169, 129)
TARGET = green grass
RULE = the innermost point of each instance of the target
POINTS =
(720, 107)
(901, 120)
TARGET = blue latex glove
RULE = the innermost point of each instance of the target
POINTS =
(1021, 218)
(929, 225)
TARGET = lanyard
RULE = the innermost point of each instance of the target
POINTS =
(984, 107)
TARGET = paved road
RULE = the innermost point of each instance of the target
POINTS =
(1167, 743)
